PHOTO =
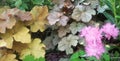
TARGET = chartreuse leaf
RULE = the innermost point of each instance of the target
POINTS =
(8, 57)
(31, 58)
(35, 48)
(7, 37)
(2, 43)
(76, 55)
(40, 59)
(39, 14)
(21, 33)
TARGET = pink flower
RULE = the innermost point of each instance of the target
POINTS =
(93, 46)
(110, 31)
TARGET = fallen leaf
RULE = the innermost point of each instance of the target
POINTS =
(66, 43)
(39, 14)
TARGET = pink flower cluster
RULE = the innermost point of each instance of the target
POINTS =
(93, 38)
(94, 46)
(110, 31)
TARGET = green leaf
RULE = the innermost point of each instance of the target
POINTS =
(23, 6)
(29, 58)
(108, 3)
(82, 59)
(92, 59)
(117, 16)
(76, 55)
(77, 59)
(109, 17)
(117, 54)
(39, 2)
(106, 57)
(18, 3)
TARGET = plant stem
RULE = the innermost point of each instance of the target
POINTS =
(114, 11)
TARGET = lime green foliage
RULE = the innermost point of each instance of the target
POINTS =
(31, 58)
(114, 6)
(105, 57)
(75, 56)
(28, 4)
(80, 56)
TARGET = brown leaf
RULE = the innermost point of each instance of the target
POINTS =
(8, 18)
(24, 16)
(18, 47)
(39, 14)
(6, 21)
(63, 31)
